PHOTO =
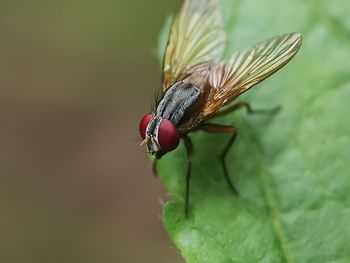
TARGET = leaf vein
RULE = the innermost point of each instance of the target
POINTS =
(270, 200)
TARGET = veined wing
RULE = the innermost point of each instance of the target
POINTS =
(247, 68)
(196, 36)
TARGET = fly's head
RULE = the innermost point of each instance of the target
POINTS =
(160, 135)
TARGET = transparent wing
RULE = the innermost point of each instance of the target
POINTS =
(245, 69)
(196, 36)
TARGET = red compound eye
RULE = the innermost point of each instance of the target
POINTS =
(168, 136)
(143, 124)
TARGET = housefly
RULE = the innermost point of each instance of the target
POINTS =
(198, 82)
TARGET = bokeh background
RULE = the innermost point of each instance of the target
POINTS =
(75, 77)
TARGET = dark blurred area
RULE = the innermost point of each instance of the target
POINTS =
(75, 77)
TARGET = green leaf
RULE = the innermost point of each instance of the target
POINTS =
(292, 169)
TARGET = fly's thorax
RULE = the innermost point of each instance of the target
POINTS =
(176, 101)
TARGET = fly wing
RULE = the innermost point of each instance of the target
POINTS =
(246, 69)
(196, 36)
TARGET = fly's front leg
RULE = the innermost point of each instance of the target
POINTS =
(189, 149)
(216, 128)
(249, 109)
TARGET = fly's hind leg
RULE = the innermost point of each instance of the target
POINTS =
(249, 109)
(216, 128)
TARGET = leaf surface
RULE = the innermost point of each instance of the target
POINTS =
(292, 169)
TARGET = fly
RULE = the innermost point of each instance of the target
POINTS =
(197, 82)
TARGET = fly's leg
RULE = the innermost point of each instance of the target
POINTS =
(249, 109)
(189, 149)
(216, 128)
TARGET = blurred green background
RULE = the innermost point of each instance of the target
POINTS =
(75, 77)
